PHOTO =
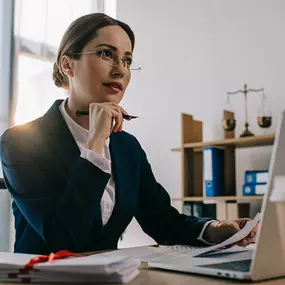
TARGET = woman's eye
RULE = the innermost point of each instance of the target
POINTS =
(107, 54)
(128, 61)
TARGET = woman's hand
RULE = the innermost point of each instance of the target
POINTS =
(103, 119)
(217, 232)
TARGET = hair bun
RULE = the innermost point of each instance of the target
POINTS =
(60, 80)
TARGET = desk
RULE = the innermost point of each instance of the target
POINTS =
(154, 276)
(163, 277)
(148, 276)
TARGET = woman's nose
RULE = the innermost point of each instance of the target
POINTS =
(118, 71)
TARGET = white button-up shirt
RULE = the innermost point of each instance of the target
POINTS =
(103, 162)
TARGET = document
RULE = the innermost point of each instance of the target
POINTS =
(176, 252)
(85, 269)
(151, 254)
(244, 232)
(230, 250)
(142, 253)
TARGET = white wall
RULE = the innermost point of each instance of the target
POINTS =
(191, 53)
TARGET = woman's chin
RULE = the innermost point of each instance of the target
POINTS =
(112, 99)
(107, 98)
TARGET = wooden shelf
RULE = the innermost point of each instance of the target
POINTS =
(236, 142)
(218, 198)
(228, 204)
(176, 149)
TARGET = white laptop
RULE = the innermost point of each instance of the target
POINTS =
(267, 259)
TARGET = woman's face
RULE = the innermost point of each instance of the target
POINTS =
(102, 76)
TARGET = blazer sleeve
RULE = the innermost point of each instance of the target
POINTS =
(65, 219)
(158, 218)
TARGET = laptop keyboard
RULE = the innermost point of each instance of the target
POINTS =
(240, 265)
(185, 249)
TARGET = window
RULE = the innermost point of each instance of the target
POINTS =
(38, 27)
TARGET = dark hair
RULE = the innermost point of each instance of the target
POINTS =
(77, 36)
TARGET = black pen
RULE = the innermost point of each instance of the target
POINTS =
(86, 113)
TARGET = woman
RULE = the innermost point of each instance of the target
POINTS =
(77, 182)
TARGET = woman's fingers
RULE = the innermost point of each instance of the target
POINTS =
(243, 242)
(123, 111)
(250, 237)
(117, 119)
(114, 111)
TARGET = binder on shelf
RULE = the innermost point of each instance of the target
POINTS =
(193, 209)
(254, 189)
(256, 176)
(198, 209)
(188, 209)
(213, 171)
(209, 210)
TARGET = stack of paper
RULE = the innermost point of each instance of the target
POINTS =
(87, 269)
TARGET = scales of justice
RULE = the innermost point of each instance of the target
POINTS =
(264, 118)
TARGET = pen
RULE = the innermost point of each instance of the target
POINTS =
(86, 113)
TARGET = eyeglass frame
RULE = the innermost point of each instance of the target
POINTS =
(97, 52)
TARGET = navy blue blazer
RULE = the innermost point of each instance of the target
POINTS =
(56, 193)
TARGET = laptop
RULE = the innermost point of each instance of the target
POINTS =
(266, 260)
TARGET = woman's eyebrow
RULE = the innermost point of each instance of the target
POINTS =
(114, 48)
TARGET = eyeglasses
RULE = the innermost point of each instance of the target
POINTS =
(110, 58)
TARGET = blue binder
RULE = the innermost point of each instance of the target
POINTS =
(254, 189)
(256, 176)
(213, 171)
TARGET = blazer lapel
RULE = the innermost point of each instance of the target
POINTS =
(123, 165)
(116, 158)
(59, 137)
(122, 171)
(62, 143)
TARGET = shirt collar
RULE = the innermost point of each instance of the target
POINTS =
(79, 133)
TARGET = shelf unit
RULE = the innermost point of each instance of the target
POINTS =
(192, 160)
(219, 198)
(236, 142)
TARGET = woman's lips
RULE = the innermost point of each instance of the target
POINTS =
(112, 89)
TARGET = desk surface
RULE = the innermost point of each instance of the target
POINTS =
(162, 277)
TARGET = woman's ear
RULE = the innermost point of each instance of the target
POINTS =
(66, 66)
